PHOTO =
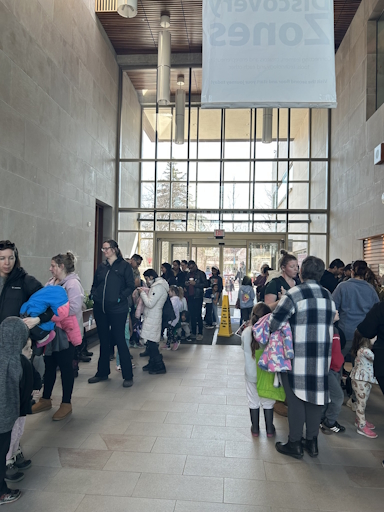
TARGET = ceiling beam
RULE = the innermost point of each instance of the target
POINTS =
(178, 60)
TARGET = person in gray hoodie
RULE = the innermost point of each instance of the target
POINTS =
(15, 391)
(246, 298)
(353, 299)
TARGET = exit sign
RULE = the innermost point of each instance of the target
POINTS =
(219, 233)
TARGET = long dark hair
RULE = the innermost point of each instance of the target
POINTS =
(259, 310)
(358, 342)
(168, 274)
(7, 244)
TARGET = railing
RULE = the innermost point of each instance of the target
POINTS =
(105, 5)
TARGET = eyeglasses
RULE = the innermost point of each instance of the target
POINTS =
(105, 249)
(7, 245)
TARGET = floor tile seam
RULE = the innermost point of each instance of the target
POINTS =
(83, 498)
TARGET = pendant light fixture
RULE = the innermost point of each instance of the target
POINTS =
(267, 126)
(127, 8)
(180, 111)
(164, 62)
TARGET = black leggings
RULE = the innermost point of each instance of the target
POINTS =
(111, 326)
(63, 360)
(5, 441)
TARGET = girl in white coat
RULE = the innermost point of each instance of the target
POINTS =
(152, 319)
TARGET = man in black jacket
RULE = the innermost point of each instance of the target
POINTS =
(330, 277)
(194, 286)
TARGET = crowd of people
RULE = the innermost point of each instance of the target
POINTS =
(299, 328)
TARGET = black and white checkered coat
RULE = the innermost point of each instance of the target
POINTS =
(310, 310)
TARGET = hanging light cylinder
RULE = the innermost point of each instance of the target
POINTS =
(180, 115)
(127, 8)
(164, 63)
(267, 126)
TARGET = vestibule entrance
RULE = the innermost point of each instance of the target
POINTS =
(236, 255)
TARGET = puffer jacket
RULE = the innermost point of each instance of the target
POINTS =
(113, 286)
(73, 324)
(153, 310)
(18, 288)
(278, 352)
(201, 283)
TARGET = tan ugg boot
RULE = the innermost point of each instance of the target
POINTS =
(44, 404)
(62, 412)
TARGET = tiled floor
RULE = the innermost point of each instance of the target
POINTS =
(181, 442)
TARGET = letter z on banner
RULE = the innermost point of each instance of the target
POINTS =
(268, 53)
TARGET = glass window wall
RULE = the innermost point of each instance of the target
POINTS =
(224, 176)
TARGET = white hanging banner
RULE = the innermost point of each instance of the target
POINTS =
(268, 53)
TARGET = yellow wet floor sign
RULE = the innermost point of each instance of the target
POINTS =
(225, 323)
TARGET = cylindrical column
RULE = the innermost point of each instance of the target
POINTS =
(127, 8)
(164, 68)
(180, 116)
(267, 126)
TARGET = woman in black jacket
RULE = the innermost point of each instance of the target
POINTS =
(111, 292)
(16, 286)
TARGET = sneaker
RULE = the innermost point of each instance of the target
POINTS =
(326, 428)
(12, 473)
(209, 326)
(367, 432)
(10, 496)
(188, 340)
(199, 337)
(350, 403)
(371, 426)
(175, 346)
(21, 462)
(133, 366)
(168, 346)
(118, 368)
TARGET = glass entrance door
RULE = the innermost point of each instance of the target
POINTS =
(233, 270)
(260, 253)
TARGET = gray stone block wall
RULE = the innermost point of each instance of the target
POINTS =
(356, 183)
(58, 118)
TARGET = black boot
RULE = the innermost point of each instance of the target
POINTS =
(310, 446)
(293, 449)
(268, 415)
(145, 353)
(255, 415)
(158, 366)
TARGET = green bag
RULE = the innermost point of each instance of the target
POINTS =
(265, 387)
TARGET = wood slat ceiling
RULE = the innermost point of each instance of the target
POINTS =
(139, 35)
(146, 79)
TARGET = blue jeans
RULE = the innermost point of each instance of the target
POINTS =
(332, 410)
(215, 317)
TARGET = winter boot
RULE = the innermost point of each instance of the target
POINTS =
(44, 404)
(62, 412)
(158, 366)
(292, 448)
(145, 353)
(255, 416)
(268, 416)
(310, 446)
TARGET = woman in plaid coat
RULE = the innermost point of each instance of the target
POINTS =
(310, 310)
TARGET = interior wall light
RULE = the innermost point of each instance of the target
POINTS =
(180, 111)
(267, 126)
(127, 8)
(164, 62)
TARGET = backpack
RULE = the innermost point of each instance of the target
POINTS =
(168, 313)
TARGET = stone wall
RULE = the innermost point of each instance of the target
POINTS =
(356, 183)
(58, 119)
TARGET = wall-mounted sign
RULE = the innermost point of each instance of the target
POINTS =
(268, 53)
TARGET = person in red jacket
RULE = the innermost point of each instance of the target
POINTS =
(331, 411)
